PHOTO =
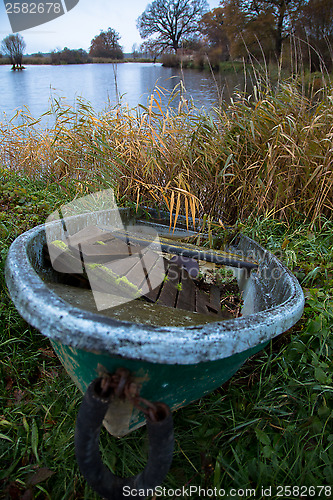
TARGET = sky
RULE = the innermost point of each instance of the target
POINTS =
(77, 27)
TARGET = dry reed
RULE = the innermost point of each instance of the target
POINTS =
(270, 153)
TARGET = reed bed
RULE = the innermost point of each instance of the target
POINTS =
(265, 154)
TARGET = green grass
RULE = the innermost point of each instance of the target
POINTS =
(270, 425)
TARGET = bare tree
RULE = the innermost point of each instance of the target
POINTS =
(13, 47)
(168, 22)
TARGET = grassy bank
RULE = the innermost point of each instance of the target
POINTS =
(270, 425)
(202, 62)
(41, 60)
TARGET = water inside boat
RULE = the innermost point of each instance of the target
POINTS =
(137, 311)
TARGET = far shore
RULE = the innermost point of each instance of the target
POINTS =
(203, 64)
(171, 62)
(46, 60)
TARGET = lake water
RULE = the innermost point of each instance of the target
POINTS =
(100, 84)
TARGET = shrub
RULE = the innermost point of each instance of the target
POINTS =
(68, 56)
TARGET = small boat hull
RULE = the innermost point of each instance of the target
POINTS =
(175, 385)
(173, 364)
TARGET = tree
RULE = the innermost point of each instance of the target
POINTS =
(167, 23)
(314, 29)
(235, 23)
(106, 44)
(13, 47)
(213, 29)
(270, 22)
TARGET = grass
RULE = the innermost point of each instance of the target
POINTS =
(269, 425)
(202, 62)
(267, 161)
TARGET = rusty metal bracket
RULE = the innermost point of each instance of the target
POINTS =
(122, 386)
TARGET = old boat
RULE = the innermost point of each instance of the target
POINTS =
(175, 362)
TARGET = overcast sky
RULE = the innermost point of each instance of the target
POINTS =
(77, 28)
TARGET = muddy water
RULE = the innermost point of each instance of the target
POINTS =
(136, 311)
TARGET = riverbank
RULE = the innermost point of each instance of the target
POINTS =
(267, 427)
(46, 60)
(167, 61)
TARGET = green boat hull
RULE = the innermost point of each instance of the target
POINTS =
(175, 385)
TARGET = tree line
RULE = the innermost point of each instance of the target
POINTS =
(237, 29)
(240, 29)
(272, 28)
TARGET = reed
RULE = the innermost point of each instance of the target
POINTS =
(268, 153)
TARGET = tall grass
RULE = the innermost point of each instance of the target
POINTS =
(268, 153)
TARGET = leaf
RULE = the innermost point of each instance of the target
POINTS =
(285, 243)
(34, 439)
(26, 425)
(159, 107)
(6, 423)
(228, 160)
(314, 326)
(192, 207)
(263, 437)
(217, 474)
(252, 129)
(177, 211)
(39, 476)
(172, 201)
(137, 198)
(186, 211)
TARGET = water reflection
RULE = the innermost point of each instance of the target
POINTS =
(105, 84)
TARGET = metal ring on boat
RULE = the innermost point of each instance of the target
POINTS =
(88, 426)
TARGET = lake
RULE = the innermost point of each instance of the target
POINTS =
(100, 84)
